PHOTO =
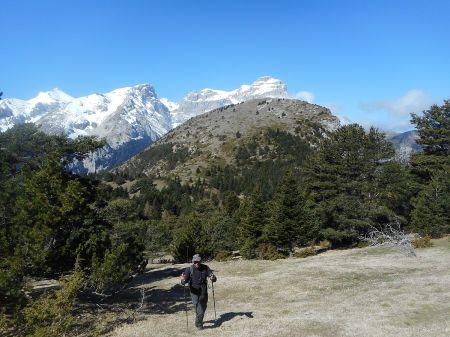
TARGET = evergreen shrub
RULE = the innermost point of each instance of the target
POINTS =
(422, 242)
(305, 252)
(266, 251)
(222, 256)
(362, 244)
(248, 248)
(325, 243)
(52, 315)
(116, 266)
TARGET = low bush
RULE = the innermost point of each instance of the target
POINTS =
(116, 266)
(52, 315)
(222, 256)
(248, 249)
(325, 243)
(266, 251)
(422, 242)
(362, 244)
(305, 252)
(6, 324)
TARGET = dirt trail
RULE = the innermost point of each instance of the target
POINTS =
(359, 292)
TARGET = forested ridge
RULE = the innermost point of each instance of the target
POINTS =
(94, 232)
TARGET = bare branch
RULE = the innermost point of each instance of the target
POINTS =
(141, 305)
(390, 236)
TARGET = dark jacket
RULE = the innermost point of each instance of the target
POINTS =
(198, 279)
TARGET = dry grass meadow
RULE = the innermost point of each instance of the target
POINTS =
(358, 292)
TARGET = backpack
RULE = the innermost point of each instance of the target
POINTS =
(204, 275)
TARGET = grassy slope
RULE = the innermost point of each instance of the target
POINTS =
(360, 292)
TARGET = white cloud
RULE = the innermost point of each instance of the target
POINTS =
(397, 125)
(412, 101)
(305, 96)
(336, 110)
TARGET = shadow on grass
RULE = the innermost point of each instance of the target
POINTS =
(151, 276)
(169, 301)
(227, 317)
(131, 292)
(134, 301)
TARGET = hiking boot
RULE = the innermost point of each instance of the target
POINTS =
(200, 327)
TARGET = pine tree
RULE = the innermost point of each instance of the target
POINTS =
(50, 213)
(434, 136)
(253, 220)
(221, 230)
(286, 226)
(397, 187)
(434, 129)
(432, 167)
(231, 202)
(343, 196)
(190, 238)
(431, 214)
(36, 193)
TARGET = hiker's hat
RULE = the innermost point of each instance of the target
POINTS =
(196, 258)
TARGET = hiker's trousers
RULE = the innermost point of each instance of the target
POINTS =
(200, 308)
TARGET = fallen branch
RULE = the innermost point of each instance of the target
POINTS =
(392, 237)
(141, 305)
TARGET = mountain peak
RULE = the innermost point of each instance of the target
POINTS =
(267, 79)
(52, 96)
(200, 101)
(145, 89)
(141, 90)
(262, 87)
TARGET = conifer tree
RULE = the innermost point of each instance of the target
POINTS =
(231, 202)
(343, 196)
(36, 193)
(190, 238)
(286, 226)
(434, 136)
(431, 214)
(50, 216)
(432, 167)
(252, 223)
(434, 129)
(397, 187)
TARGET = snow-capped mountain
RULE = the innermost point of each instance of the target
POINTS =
(198, 102)
(15, 111)
(134, 107)
(129, 118)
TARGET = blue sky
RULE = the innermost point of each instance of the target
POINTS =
(372, 62)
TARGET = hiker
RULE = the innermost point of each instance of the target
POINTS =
(196, 275)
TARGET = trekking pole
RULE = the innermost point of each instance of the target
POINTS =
(184, 290)
(214, 301)
(185, 308)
